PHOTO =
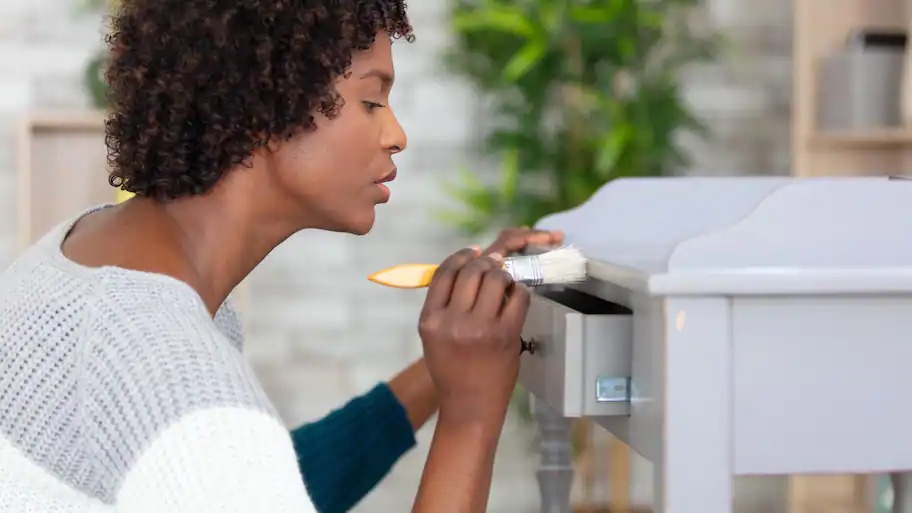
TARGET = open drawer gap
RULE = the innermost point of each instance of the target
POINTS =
(582, 302)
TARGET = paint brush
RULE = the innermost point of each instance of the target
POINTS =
(562, 265)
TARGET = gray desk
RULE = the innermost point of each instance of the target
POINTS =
(737, 326)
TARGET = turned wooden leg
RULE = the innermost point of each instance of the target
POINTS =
(555, 469)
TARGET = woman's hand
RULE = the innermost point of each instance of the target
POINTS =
(413, 386)
(470, 327)
(512, 240)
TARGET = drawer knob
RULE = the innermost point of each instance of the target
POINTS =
(528, 345)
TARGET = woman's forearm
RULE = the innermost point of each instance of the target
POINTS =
(415, 390)
(343, 455)
(457, 475)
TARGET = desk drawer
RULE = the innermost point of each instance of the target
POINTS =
(578, 339)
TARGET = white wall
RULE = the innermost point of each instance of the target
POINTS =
(319, 332)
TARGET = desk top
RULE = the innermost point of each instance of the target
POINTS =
(751, 235)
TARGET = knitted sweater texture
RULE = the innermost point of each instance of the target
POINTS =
(120, 393)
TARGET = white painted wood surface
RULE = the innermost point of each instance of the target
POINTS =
(771, 326)
(746, 235)
(696, 469)
(821, 384)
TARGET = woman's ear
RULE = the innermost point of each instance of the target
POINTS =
(264, 143)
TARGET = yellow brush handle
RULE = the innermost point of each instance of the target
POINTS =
(405, 276)
(123, 195)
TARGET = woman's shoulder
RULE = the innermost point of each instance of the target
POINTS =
(134, 357)
(159, 322)
(152, 364)
(133, 325)
(152, 306)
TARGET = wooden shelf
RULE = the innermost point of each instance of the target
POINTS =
(873, 139)
(62, 168)
(91, 120)
(822, 27)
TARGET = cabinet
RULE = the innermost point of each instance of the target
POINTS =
(62, 169)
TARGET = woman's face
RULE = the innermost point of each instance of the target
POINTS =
(331, 178)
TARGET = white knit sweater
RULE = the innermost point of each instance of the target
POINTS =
(119, 393)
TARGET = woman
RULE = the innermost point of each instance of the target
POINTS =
(236, 123)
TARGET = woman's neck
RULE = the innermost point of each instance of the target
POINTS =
(211, 242)
(220, 242)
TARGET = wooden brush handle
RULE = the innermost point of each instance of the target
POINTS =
(405, 276)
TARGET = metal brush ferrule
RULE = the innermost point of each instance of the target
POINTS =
(525, 269)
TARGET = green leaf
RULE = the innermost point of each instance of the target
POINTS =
(510, 175)
(594, 14)
(473, 193)
(503, 19)
(611, 149)
(548, 69)
(626, 48)
(550, 15)
(651, 19)
(525, 59)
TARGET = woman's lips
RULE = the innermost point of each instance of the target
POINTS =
(388, 178)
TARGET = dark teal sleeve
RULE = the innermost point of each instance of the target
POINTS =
(346, 453)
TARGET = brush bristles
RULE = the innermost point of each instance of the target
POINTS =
(563, 265)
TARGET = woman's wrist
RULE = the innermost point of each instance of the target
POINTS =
(457, 476)
(471, 413)
(415, 391)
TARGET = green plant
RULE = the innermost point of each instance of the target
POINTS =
(93, 76)
(93, 5)
(580, 92)
(94, 82)
(577, 93)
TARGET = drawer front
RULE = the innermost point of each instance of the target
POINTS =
(582, 349)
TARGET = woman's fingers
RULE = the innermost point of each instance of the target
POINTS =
(465, 290)
(516, 239)
(445, 276)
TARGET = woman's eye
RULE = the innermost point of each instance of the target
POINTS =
(373, 105)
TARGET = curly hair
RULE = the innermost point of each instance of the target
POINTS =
(195, 86)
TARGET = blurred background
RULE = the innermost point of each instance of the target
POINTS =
(512, 112)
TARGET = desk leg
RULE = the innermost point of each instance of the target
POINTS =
(694, 474)
(555, 470)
